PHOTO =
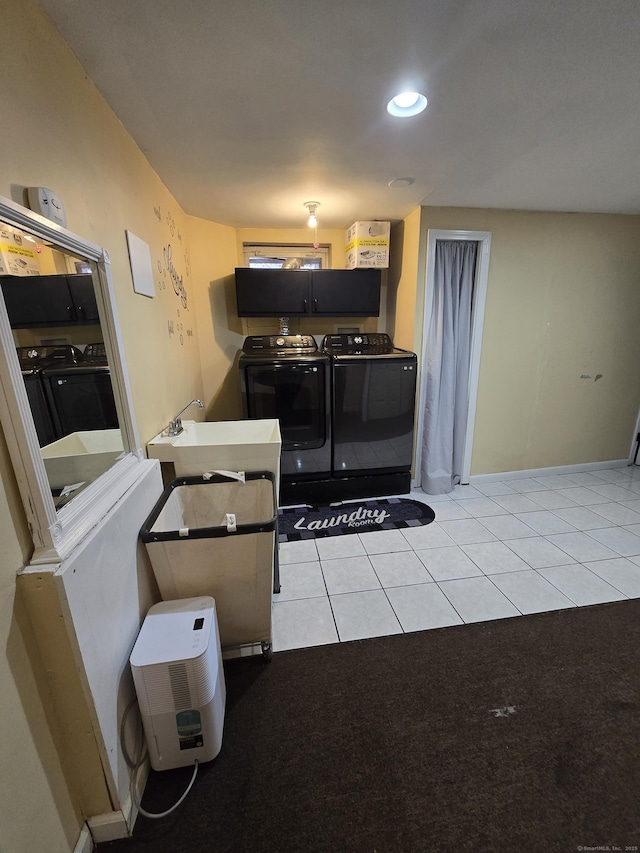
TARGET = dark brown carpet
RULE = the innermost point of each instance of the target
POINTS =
(395, 744)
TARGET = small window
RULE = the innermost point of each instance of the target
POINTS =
(271, 256)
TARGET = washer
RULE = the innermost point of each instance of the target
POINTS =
(32, 359)
(286, 377)
(374, 388)
(79, 392)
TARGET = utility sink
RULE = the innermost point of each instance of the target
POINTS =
(81, 457)
(252, 445)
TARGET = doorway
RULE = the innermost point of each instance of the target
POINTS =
(448, 400)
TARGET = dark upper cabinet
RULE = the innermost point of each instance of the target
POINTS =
(83, 298)
(345, 293)
(272, 293)
(49, 300)
(325, 293)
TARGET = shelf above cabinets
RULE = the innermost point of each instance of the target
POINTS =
(49, 300)
(299, 293)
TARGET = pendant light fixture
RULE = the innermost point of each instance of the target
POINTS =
(312, 207)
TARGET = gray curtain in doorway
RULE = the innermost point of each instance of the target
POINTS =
(447, 365)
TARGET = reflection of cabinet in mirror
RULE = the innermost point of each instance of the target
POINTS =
(49, 300)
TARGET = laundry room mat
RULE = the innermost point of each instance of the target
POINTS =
(296, 523)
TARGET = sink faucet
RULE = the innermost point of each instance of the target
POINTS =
(175, 426)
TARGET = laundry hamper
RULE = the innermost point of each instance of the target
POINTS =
(216, 535)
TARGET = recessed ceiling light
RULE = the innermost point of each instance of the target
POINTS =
(407, 104)
(401, 182)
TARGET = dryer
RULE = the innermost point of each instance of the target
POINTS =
(372, 419)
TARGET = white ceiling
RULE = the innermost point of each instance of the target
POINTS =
(249, 108)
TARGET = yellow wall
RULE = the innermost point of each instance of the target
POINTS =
(403, 275)
(59, 133)
(563, 302)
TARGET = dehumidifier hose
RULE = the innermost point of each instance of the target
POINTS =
(138, 762)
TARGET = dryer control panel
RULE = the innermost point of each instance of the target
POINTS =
(270, 344)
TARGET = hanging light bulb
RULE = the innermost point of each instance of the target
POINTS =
(312, 206)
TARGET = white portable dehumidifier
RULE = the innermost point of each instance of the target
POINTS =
(177, 671)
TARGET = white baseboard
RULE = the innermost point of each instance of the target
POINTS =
(548, 472)
(84, 844)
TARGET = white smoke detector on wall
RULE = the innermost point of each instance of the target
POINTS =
(48, 204)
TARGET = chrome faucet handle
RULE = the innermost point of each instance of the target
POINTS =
(175, 426)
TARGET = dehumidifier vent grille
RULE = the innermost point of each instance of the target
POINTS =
(179, 681)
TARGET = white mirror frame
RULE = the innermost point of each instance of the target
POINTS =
(57, 532)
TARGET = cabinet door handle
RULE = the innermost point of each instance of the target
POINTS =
(315, 305)
(70, 312)
(304, 304)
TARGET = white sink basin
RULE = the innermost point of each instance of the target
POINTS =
(252, 445)
(81, 457)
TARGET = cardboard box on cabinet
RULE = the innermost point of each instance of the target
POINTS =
(367, 245)
(18, 256)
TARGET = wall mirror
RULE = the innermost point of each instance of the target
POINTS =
(66, 405)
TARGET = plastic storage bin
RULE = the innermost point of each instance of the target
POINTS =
(217, 536)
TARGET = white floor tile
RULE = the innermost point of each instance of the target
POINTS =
(621, 541)
(349, 574)
(516, 503)
(579, 532)
(581, 495)
(448, 563)
(300, 580)
(300, 624)
(581, 547)
(550, 500)
(622, 574)
(614, 475)
(463, 492)
(634, 505)
(304, 551)
(420, 608)
(507, 527)
(582, 518)
(364, 614)
(581, 585)
(478, 600)
(545, 522)
(384, 541)
(449, 511)
(400, 569)
(527, 484)
(530, 592)
(539, 553)
(491, 489)
(332, 547)
(430, 499)
(467, 531)
(584, 479)
(495, 558)
(427, 536)
(613, 492)
(617, 513)
(554, 481)
(479, 507)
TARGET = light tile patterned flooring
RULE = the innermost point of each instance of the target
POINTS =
(495, 549)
